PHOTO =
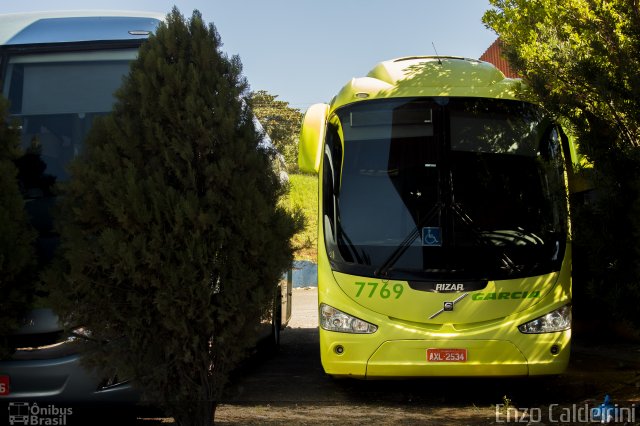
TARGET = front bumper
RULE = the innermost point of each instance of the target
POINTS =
(61, 379)
(364, 356)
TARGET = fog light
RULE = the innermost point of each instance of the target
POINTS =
(555, 350)
(339, 349)
(110, 383)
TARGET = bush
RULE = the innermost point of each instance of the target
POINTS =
(17, 255)
(172, 239)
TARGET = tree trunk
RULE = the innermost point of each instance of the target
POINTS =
(200, 413)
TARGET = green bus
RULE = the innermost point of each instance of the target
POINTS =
(443, 229)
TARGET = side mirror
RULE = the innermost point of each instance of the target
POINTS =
(312, 137)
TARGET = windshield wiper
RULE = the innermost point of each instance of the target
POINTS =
(383, 270)
(344, 238)
(457, 210)
(507, 263)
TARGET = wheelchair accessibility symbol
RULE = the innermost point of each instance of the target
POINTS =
(432, 236)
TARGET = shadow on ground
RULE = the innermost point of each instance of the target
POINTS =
(290, 387)
(295, 375)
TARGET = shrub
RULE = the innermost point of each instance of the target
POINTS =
(17, 254)
(172, 238)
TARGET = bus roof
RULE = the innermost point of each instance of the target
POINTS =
(428, 76)
(75, 26)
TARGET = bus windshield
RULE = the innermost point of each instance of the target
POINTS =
(463, 188)
(56, 96)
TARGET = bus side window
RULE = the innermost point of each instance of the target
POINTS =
(332, 164)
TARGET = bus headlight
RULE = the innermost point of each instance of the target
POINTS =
(558, 320)
(333, 319)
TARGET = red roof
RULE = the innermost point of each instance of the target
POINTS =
(494, 56)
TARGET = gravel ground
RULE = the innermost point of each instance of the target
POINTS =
(305, 308)
(290, 387)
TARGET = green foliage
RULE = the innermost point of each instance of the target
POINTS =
(303, 195)
(281, 122)
(580, 59)
(172, 239)
(17, 255)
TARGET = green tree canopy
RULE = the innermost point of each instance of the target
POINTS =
(281, 122)
(580, 60)
(17, 254)
(172, 238)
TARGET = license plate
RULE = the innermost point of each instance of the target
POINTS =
(446, 355)
(4, 385)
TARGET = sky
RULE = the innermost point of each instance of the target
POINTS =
(304, 51)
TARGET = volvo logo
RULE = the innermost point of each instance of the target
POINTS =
(448, 306)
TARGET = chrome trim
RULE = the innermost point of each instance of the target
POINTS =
(459, 298)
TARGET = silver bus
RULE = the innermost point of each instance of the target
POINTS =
(59, 71)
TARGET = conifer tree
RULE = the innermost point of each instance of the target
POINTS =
(172, 238)
(17, 255)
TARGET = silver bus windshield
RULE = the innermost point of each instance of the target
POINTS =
(56, 96)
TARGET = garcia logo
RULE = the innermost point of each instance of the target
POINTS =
(506, 295)
(24, 413)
